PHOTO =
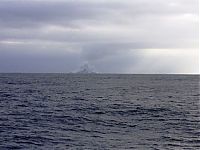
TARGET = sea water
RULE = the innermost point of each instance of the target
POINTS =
(97, 111)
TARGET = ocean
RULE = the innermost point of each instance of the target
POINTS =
(99, 112)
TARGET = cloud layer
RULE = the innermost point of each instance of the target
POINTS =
(113, 36)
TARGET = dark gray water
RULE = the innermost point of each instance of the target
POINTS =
(66, 111)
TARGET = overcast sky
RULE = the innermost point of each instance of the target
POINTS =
(111, 36)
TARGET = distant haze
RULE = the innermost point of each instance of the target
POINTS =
(112, 36)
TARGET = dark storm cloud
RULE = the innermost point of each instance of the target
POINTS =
(110, 35)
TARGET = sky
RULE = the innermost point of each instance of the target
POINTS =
(110, 36)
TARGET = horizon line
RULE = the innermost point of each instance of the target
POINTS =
(99, 73)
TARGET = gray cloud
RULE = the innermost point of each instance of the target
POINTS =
(53, 12)
(23, 59)
(39, 13)
(96, 51)
(112, 36)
